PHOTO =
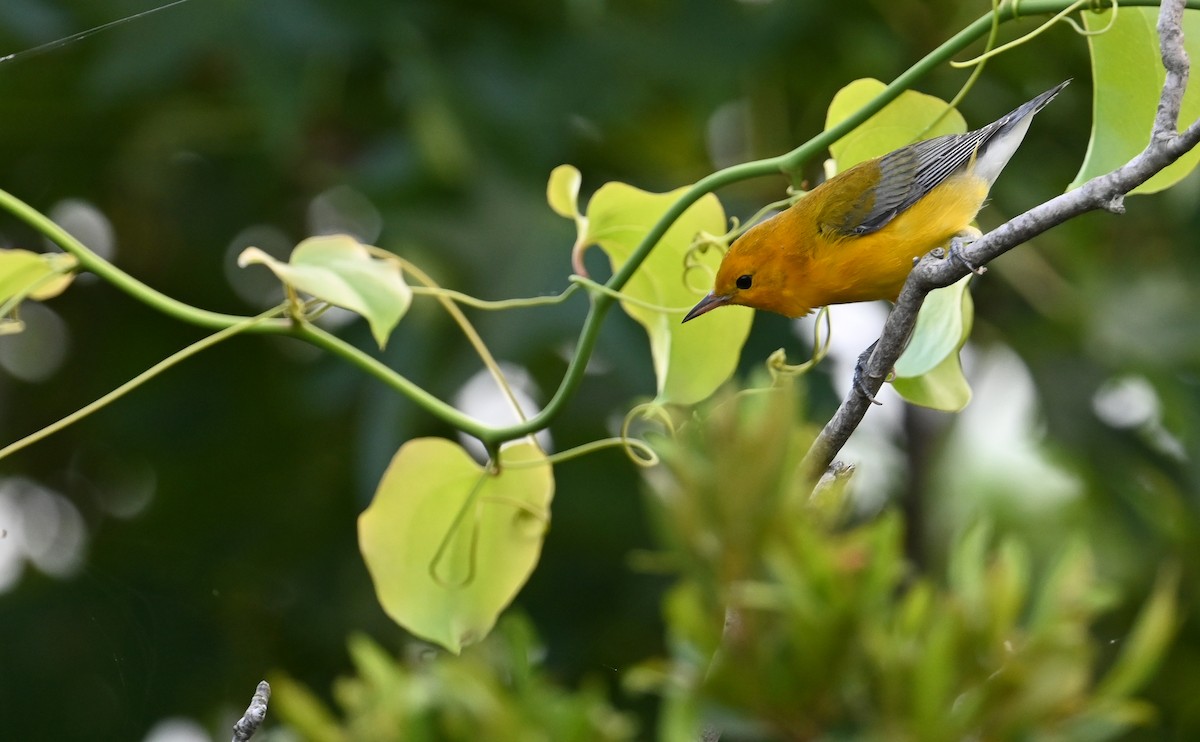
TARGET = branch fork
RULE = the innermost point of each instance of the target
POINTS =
(1106, 192)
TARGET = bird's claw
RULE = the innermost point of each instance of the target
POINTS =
(860, 376)
(957, 243)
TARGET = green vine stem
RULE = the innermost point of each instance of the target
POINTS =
(472, 336)
(601, 302)
(90, 261)
(496, 304)
(306, 331)
(245, 325)
(373, 366)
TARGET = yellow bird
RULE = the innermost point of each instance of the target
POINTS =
(854, 237)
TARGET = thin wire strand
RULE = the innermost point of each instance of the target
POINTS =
(57, 43)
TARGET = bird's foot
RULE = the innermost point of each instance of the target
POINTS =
(860, 375)
(960, 241)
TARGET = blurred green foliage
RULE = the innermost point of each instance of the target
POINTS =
(791, 619)
(817, 628)
(493, 692)
(219, 502)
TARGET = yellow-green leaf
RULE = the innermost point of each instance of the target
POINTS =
(1066, 589)
(692, 360)
(340, 270)
(303, 711)
(1127, 79)
(31, 275)
(942, 388)
(909, 118)
(1143, 648)
(562, 192)
(448, 544)
(966, 570)
(929, 373)
(1008, 586)
(943, 325)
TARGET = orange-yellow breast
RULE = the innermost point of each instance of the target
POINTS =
(874, 266)
(798, 264)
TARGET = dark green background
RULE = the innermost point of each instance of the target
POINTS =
(187, 127)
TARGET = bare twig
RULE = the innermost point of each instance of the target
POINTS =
(246, 726)
(1105, 192)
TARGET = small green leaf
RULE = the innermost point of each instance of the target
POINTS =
(340, 270)
(562, 192)
(1008, 586)
(913, 612)
(909, 118)
(448, 545)
(1128, 76)
(374, 665)
(1067, 592)
(690, 360)
(37, 276)
(943, 325)
(929, 372)
(933, 686)
(303, 711)
(944, 388)
(30, 275)
(968, 564)
(1142, 650)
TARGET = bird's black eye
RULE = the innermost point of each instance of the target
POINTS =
(743, 282)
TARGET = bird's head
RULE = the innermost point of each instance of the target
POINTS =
(759, 272)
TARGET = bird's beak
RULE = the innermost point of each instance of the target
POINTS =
(707, 304)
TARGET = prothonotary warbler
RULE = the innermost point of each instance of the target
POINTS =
(854, 237)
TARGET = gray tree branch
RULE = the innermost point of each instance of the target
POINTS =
(246, 726)
(934, 271)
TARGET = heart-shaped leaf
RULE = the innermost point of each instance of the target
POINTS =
(1128, 77)
(909, 118)
(692, 360)
(340, 270)
(448, 544)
